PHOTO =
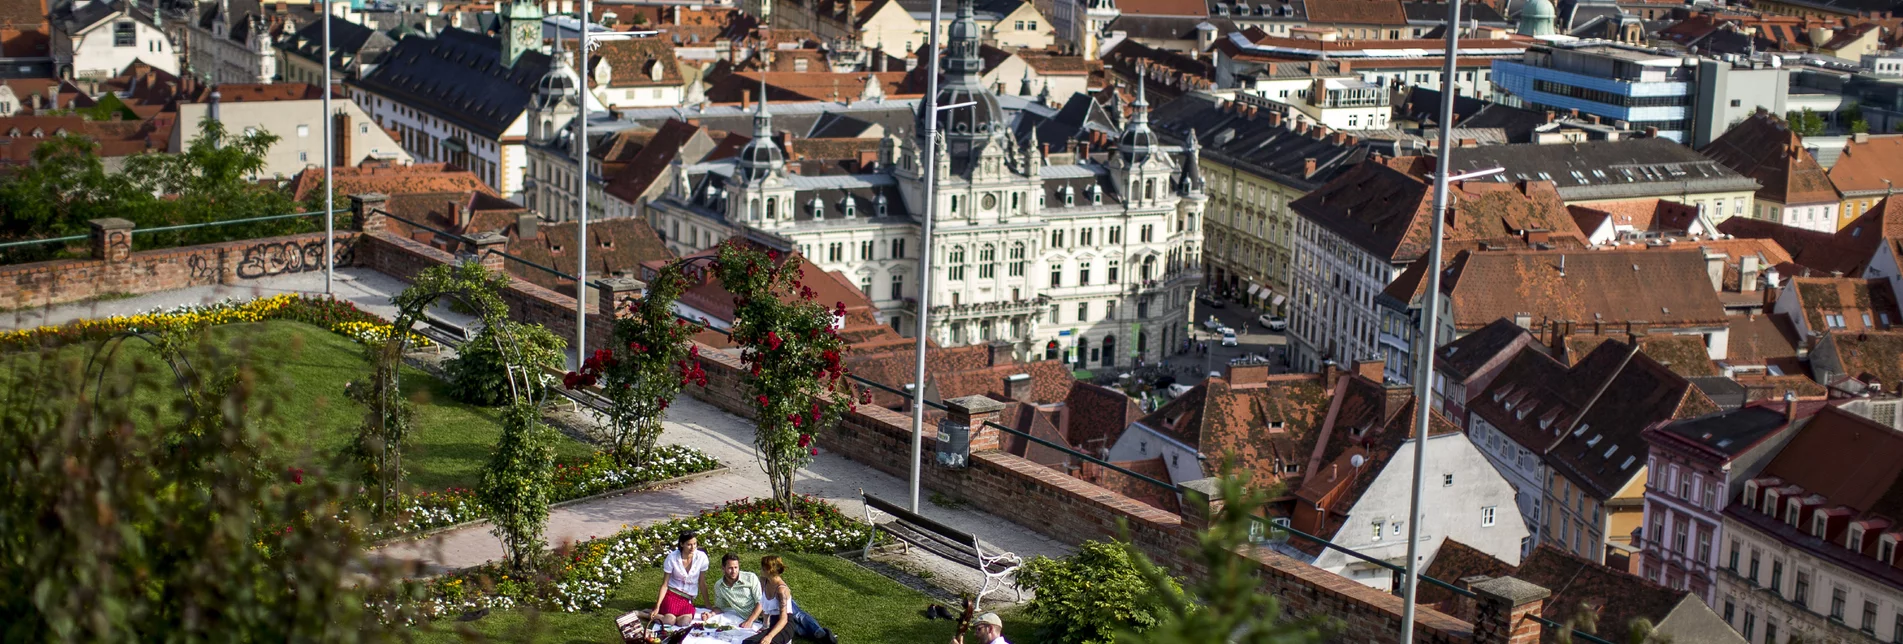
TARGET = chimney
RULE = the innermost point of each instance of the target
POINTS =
(1504, 611)
(1715, 269)
(746, 99)
(1748, 273)
(1790, 407)
(1549, 116)
(1523, 320)
(999, 354)
(340, 135)
(1301, 127)
(1017, 387)
(1371, 369)
(1635, 329)
(1242, 375)
(457, 217)
(1275, 119)
(1330, 374)
(526, 226)
(1308, 167)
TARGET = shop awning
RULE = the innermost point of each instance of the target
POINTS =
(1254, 289)
(1277, 301)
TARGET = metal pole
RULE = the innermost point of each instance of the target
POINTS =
(330, 161)
(1424, 348)
(581, 256)
(930, 159)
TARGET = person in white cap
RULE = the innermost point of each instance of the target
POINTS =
(988, 628)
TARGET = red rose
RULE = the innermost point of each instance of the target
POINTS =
(763, 400)
(297, 475)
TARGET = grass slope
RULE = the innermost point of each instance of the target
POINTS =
(859, 605)
(451, 441)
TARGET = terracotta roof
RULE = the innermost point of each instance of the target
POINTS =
(1472, 352)
(620, 246)
(1763, 147)
(1132, 487)
(1267, 422)
(955, 372)
(391, 180)
(1872, 356)
(1855, 299)
(1863, 165)
(1385, 211)
(1811, 249)
(1665, 289)
(1031, 420)
(1191, 8)
(1370, 422)
(21, 135)
(1357, 12)
(1581, 584)
(23, 14)
(1653, 214)
(1049, 63)
(656, 155)
(1454, 561)
(1762, 340)
(1847, 459)
(1772, 388)
(464, 212)
(1684, 355)
(256, 92)
(1095, 415)
(636, 62)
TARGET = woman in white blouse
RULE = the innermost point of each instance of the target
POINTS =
(684, 566)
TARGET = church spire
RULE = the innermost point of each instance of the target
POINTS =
(761, 157)
(1138, 142)
(762, 119)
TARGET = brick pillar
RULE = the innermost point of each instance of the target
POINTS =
(111, 239)
(480, 245)
(1201, 502)
(616, 293)
(962, 430)
(1504, 605)
(367, 209)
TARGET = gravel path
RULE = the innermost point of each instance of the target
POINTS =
(730, 439)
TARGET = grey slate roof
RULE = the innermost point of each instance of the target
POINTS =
(1632, 168)
(1275, 152)
(348, 40)
(459, 77)
(1436, 12)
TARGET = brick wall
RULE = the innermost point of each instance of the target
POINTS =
(1054, 504)
(118, 268)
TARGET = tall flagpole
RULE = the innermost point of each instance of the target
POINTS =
(1430, 323)
(581, 256)
(330, 162)
(930, 160)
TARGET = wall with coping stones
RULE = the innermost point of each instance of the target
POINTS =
(1056, 505)
(116, 268)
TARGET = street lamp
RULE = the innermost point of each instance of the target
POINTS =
(925, 255)
(330, 161)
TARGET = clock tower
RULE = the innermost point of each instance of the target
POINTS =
(521, 31)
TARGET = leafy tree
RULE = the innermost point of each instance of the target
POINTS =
(1225, 604)
(1806, 122)
(124, 521)
(792, 351)
(479, 374)
(515, 484)
(643, 369)
(1087, 597)
(65, 186)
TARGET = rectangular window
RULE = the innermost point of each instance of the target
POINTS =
(1116, 234)
(1145, 233)
(1057, 276)
(898, 286)
(1777, 576)
(1486, 513)
(1750, 626)
(836, 252)
(1083, 311)
(125, 34)
(1770, 631)
(1377, 530)
(865, 284)
(1730, 610)
(1837, 604)
(1753, 576)
(865, 250)
(898, 249)
(1801, 594)
(1869, 623)
(1704, 545)
(1083, 273)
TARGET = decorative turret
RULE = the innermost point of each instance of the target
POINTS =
(761, 158)
(1536, 18)
(556, 102)
(1024, 87)
(1192, 180)
(1138, 142)
(978, 121)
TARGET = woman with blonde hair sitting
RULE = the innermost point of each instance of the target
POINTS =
(784, 619)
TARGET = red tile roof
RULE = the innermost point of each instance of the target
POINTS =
(620, 245)
(1762, 340)
(1849, 460)
(955, 372)
(636, 62)
(1269, 424)
(391, 180)
(1580, 584)
(1763, 147)
(1188, 8)
(1656, 215)
(1132, 487)
(1356, 12)
(1855, 299)
(1385, 210)
(1864, 165)
(1685, 355)
(1095, 415)
(1666, 289)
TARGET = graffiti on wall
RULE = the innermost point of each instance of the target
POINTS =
(284, 257)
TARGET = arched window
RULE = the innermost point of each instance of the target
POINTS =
(1096, 195)
(880, 204)
(772, 209)
(1113, 272)
(1149, 188)
(1149, 267)
(818, 207)
(847, 206)
(1070, 196)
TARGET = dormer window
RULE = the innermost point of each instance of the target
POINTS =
(880, 205)
(1070, 196)
(1791, 510)
(819, 208)
(1770, 503)
(1819, 525)
(1886, 549)
(1096, 195)
(1750, 492)
(846, 206)
(1853, 538)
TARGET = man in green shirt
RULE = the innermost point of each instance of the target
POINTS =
(737, 593)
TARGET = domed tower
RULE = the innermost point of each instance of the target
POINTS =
(1138, 142)
(1536, 18)
(1138, 166)
(761, 158)
(761, 195)
(978, 122)
(556, 102)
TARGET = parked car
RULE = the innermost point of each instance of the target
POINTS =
(1228, 337)
(1210, 302)
(1272, 322)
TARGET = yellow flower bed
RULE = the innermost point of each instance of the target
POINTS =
(342, 318)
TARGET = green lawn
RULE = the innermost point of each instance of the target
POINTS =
(861, 606)
(451, 441)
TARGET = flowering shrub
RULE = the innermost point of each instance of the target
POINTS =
(575, 477)
(792, 348)
(340, 317)
(650, 359)
(581, 577)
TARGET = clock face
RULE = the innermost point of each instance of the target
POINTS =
(525, 37)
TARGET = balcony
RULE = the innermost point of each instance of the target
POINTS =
(974, 310)
(1175, 279)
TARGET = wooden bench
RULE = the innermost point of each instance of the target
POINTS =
(443, 332)
(944, 541)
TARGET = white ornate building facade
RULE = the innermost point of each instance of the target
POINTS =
(1094, 261)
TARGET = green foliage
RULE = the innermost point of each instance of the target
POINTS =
(651, 358)
(108, 106)
(378, 446)
(792, 351)
(123, 522)
(1087, 597)
(1225, 604)
(213, 179)
(1805, 123)
(479, 374)
(515, 485)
